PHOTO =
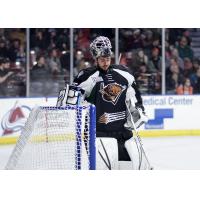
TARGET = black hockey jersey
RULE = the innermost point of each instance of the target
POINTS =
(107, 90)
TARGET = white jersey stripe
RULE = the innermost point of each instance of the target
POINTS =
(126, 75)
(89, 84)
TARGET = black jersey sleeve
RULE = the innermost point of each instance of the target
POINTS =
(84, 74)
(138, 96)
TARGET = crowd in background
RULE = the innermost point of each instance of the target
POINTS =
(12, 62)
(49, 61)
(139, 49)
(182, 67)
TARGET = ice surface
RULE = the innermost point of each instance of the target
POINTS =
(165, 153)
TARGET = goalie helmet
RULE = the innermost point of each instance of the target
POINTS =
(101, 46)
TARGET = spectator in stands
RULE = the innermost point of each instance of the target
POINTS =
(14, 50)
(63, 40)
(5, 74)
(52, 38)
(196, 64)
(3, 49)
(137, 41)
(139, 59)
(188, 67)
(151, 41)
(156, 43)
(154, 67)
(21, 56)
(175, 54)
(40, 71)
(174, 34)
(197, 82)
(194, 78)
(174, 77)
(65, 62)
(186, 33)
(184, 49)
(148, 40)
(38, 41)
(185, 88)
(142, 76)
(125, 39)
(42, 83)
(17, 33)
(39, 76)
(83, 39)
(53, 61)
(155, 61)
(15, 84)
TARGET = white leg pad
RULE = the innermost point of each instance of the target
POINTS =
(133, 150)
(111, 148)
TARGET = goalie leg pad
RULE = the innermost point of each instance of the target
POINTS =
(106, 154)
(121, 137)
(134, 151)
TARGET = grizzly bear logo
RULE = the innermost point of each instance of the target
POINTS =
(112, 92)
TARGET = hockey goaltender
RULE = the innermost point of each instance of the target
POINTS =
(119, 108)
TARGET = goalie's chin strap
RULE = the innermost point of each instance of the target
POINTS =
(108, 164)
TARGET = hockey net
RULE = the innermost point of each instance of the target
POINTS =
(56, 138)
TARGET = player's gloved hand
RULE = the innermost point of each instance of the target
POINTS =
(74, 95)
(139, 117)
(71, 94)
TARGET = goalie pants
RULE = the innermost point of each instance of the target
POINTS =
(121, 138)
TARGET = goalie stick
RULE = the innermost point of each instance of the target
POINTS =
(139, 140)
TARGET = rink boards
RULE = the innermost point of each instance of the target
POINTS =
(168, 115)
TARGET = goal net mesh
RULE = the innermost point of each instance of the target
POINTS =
(56, 138)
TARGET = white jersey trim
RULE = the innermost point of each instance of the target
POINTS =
(89, 84)
(130, 78)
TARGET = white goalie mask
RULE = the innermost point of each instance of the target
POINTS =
(101, 46)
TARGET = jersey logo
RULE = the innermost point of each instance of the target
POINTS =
(111, 117)
(111, 92)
